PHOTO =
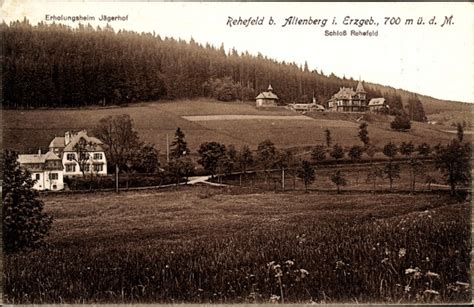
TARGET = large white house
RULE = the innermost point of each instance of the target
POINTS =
(46, 169)
(76, 149)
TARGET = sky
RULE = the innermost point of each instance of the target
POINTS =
(433, 60)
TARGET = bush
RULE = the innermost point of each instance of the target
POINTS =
(24, 222)
(400, 123)
(131, 181)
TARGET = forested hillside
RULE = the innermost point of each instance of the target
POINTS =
(58, 66)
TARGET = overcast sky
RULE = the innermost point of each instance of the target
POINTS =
(431, 60)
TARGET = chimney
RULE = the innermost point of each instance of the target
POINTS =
(39, 151)
(67, 137)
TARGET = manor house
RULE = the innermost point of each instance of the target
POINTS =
(348, 100)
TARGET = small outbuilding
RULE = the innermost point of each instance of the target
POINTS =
(306, 107)
(377, 104)
(267, 99)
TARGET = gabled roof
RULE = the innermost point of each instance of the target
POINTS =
(267, 95)
(93, 143)
(51, 156)
(345, 93)
(30, 158)
(377, 102)
(360, 88)
(57, 142)
(37, 158)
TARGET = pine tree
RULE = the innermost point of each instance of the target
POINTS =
(179, 147)
(24, 222)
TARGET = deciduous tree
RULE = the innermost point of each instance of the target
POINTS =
(306, 173)
(390, 150)
(424, 149)
(120, 139)
(407, 149)
(339, 180)
(337, 152)
(146, 160)
(180, 168)
(454, 161)
(392, 172)
(401, 122)
(318, 153)
(210, 153)
(355, 152)
(245, 159)
(266, 154)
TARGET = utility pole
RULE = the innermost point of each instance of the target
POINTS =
(116, 178)
(283, 179)
(167, 149)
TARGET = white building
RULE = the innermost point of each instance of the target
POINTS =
(46, 169)
(378, 104)
(266, 99)
(348, 100)
(77, 149)
(306, 107)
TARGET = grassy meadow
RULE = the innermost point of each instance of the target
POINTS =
(27, 130)
(221, 245)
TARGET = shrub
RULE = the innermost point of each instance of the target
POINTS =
(131, 181)
(318, 153)
(400, 123)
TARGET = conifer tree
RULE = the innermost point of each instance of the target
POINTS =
(25, 223)
(179, 147)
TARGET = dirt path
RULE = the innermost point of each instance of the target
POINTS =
(198, 118)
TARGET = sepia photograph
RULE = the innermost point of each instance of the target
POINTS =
(236, 153)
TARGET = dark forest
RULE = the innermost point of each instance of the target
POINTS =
(58, 66)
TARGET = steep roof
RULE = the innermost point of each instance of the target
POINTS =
(93, 143)
(377, 102)
(345, 93)
(267, 95)
(360, 88)
(51, 156)
(57, 142)
(37, 158)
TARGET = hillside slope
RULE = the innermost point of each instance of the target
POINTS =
(28, 130)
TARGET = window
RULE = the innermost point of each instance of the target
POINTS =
(98, 167)
(84, 156)
(70, 156)
(97, 156)
(53, 176)
(70, 168)
(87, 168)
(37, 176)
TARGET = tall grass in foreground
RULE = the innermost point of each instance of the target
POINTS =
(418, 257)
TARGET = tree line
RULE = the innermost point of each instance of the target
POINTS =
(125, 152)
(58, 66)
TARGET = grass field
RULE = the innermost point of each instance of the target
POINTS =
(26, 130)
(203, 245)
